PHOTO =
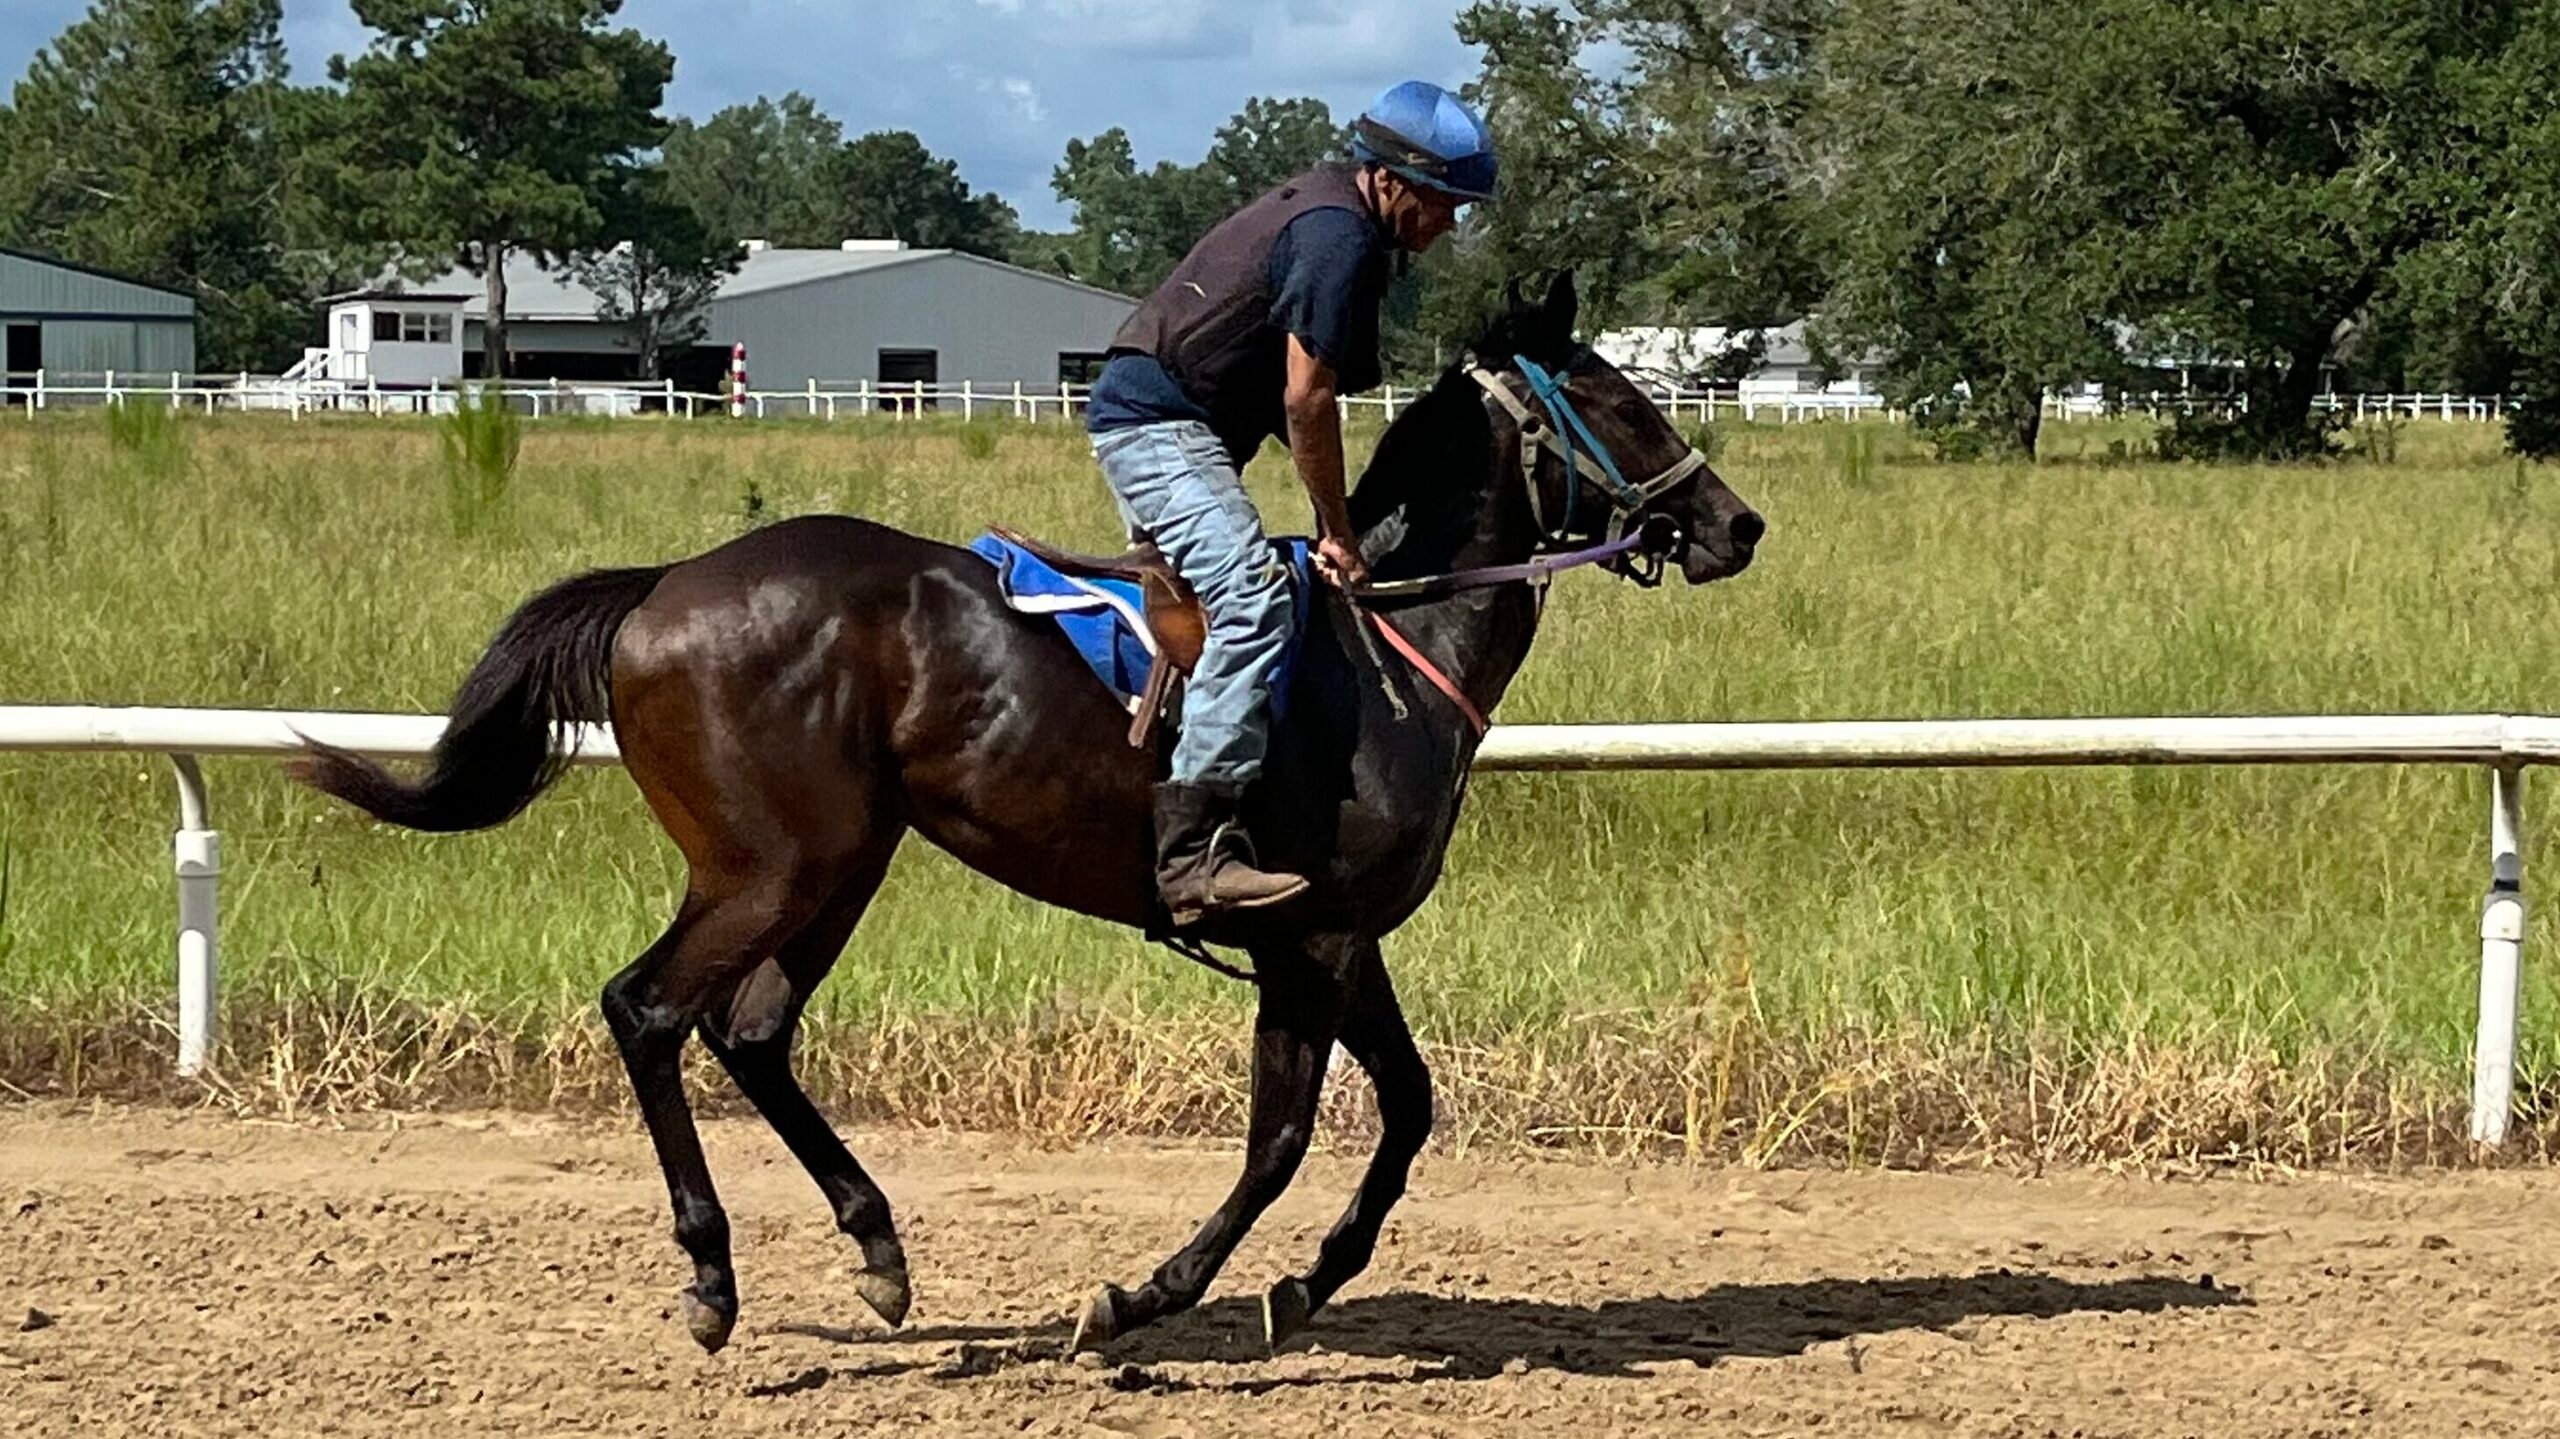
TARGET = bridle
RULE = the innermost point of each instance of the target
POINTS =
(1636, 551)
(1562, 432)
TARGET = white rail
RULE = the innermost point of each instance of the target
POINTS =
(297, 394)
(2502, 744)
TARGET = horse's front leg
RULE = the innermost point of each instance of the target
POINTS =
(1303, 992)
(1375, 1033)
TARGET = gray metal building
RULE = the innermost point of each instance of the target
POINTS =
(871, 310)
(69, 319)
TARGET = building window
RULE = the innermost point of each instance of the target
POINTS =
(901, 368)
(25, 349)
(413, 327)
(1080, 367)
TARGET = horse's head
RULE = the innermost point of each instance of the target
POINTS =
(1601, 460)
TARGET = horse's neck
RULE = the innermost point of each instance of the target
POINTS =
(1478, 638)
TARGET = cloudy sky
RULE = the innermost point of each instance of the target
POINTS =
(998, 85)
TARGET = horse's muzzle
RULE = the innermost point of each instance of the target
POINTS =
(1725, 551)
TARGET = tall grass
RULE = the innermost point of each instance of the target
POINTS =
(146, 435)
(481, 439)
(2264, 962)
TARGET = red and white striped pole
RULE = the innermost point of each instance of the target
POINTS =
(738, 381)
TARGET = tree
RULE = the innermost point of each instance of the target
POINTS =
(1551, 128)
(480, 128)
(757, 171)
(1132, 227)
(2301, 157)
(1269, 142)
(145, 139)
(1655, 146)
(2507, 279)
(1971, 192)
(660, 277)
(887, 185)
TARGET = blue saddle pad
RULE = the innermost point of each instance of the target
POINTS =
(1106, 619)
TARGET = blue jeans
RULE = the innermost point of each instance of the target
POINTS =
(1175, 484)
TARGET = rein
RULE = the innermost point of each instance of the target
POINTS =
(1555, 434)
(1536, 571)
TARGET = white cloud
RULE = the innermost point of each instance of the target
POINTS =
(1025, 97)
(1014, 94)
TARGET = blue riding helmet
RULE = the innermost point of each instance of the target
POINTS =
(1425, 134)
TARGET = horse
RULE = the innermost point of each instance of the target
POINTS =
(793, 703)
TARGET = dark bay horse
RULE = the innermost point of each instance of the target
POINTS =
(793, 703)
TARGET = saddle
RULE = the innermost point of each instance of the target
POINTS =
(1180, 626)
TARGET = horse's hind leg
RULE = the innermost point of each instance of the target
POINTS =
(1375, 1033)
(751, 1034)
(1302, 1000)
(651, 1007)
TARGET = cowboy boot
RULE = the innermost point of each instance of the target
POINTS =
(1204, 859)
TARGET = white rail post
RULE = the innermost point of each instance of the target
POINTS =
(968, 402)
(2493, 1057)
(198, 851)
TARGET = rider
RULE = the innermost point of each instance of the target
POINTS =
(1269, 318)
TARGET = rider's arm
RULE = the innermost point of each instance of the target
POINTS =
(1315, 440)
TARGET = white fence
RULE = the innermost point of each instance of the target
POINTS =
(2504, 745)
(837, 399)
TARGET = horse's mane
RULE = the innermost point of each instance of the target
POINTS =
(1432, 456)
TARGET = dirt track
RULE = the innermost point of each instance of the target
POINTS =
(512, 1275)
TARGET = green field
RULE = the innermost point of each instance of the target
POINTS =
(2260, 963)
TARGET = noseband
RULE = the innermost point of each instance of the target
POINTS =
(1562, 432)
(1637, 550)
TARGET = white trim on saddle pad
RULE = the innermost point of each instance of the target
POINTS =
(1089, 595)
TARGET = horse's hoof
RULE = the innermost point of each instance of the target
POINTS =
(1100, 1323)
(886, 1291)
(1285, 1311)
(709, 1323)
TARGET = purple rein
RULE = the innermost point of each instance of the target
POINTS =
(1535, 571)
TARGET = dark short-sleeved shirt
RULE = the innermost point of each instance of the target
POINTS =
(1317, 271)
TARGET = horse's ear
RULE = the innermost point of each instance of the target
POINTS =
(1561, 307)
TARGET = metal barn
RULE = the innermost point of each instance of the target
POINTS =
(872, 310)
(67, 319)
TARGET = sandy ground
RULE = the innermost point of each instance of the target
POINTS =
(513, 1275)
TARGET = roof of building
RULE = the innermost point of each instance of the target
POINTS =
(537, 293)
(76, 267)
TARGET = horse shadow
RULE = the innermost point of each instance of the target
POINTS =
(1458, 1337)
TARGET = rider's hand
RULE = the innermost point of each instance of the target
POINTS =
(1341, 561)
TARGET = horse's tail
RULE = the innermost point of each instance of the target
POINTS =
(550, 664)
